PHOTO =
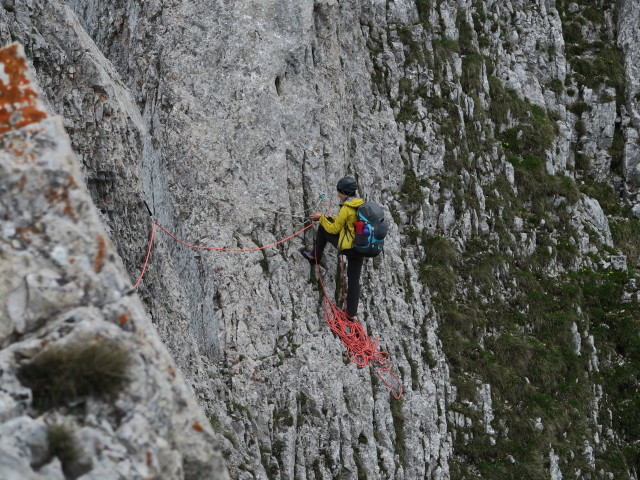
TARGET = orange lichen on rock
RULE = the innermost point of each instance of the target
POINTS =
(56, 195)
(19, 104)
(26, 233)
(197, 427)
(99, 260)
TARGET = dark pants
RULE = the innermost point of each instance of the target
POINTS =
(354, 267)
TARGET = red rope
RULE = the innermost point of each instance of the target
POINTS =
(146, 260)
(253, 249)
(361, 350)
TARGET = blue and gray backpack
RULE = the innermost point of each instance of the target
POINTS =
(369, 242)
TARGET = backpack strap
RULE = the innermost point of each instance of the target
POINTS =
(347, 233)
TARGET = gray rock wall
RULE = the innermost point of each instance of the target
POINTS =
(275, 133)
(63, 285)
(630, 122)
(473, 123)
(107, 133)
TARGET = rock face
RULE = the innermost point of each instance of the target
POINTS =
(500, 136)
(63, 285)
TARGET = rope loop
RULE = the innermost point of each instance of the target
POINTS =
(361, 349)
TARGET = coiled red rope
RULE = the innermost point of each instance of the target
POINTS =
(361, 350)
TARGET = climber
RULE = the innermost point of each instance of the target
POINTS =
(340, 232)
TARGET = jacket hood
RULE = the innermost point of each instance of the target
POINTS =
(354, 202)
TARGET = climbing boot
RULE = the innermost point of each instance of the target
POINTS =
(309, 256)
(349, 317)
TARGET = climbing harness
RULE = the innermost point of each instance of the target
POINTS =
(361, 350)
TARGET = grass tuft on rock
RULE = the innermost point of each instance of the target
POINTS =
(63, 374)
(63, 444)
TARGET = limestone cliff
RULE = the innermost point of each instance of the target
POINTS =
(88, 389)
(502, 138)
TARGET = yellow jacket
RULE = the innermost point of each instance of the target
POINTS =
(346, 216)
